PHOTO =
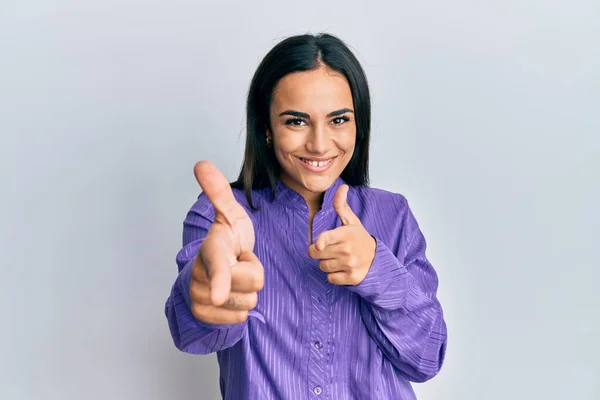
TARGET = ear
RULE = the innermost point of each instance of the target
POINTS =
(268, 139)
(268, 132)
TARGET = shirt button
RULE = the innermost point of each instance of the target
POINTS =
(317, 390)
(318, 345)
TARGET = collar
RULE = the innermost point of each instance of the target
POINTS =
(289, 198)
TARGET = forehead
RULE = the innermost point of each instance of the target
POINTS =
(319, 91)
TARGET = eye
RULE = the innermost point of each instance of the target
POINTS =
(295, 122)
(340, 120)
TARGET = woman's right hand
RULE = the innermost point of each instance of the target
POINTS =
(226, 274)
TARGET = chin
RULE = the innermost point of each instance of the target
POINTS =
(319, 184)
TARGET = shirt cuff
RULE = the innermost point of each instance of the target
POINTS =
(386, 282)
(185, 278)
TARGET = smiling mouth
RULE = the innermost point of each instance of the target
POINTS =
(317, 163)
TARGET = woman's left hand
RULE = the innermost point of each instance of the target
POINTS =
(345, 253)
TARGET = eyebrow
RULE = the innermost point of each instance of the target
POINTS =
(306, 116)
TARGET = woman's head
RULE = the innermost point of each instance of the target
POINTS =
(308, 117)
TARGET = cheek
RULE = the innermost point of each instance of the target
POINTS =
(347, 145)
(351, 145)
(283, 157)
(348, 142)
(284, 147)
(286, 143)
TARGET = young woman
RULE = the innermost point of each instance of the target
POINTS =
(307, 283)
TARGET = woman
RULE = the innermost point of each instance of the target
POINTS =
(306, 282)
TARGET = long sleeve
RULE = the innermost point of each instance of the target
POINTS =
(190, 334)
(399, 305)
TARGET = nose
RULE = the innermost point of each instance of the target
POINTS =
(317, 140)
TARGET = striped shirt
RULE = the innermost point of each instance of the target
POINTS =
(307, 338)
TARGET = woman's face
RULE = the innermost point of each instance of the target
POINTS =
(313, 129)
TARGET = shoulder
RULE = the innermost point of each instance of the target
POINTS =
(385, 201)
(385, 214)
(204, 207)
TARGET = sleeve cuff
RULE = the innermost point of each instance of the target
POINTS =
(386, 282)
(185, 278)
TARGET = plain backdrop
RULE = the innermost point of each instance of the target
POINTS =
(485, 116)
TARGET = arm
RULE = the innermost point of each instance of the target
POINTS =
(399, 305)
(190, 334)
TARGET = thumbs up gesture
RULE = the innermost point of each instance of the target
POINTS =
(345, 253)
(226, 274)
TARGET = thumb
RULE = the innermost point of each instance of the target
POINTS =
(216, 187)
(340, 203)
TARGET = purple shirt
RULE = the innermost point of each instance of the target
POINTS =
(307, 338)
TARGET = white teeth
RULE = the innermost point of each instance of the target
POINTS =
(316, 163)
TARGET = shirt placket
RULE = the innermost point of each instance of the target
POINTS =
(320, 295)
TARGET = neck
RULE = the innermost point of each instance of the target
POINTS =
(314, 202)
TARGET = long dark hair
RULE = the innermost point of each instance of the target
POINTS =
(301, 53)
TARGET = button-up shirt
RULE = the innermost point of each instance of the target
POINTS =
(308, 338)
